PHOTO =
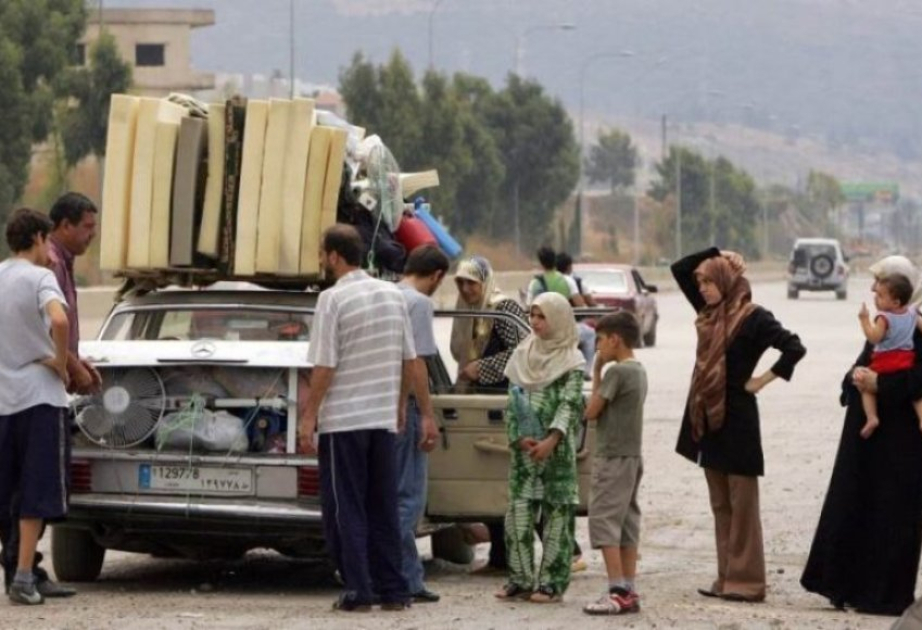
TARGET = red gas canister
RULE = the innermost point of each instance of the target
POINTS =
(413, 233)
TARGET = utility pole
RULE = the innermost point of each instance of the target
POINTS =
(678, 203)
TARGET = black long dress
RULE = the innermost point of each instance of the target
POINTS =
(865, 553)
(736, 449)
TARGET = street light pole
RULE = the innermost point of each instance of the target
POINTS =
(435, 5)
(621, 54)
(520, 40)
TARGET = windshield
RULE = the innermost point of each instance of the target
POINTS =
(604, 281)
(191, 324)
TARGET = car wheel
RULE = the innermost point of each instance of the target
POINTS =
(649, 340)
(449, 545)
(822, 266)
(75, 554)
(842, 294)
(792, 293)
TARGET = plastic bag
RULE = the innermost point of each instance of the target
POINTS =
(528, 425)
(198, 429)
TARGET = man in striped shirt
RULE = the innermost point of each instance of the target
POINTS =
(361, 346)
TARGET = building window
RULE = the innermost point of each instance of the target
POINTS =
(80, 55)
(148, 55)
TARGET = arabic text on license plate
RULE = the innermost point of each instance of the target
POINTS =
(195, 479)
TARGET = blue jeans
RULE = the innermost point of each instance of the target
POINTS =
(412, 471)
(587, 344)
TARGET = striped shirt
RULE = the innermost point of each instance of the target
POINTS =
(362, 331)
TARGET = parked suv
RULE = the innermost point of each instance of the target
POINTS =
(817, 264)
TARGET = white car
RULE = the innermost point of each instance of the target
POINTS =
(190, 449)
(817, 264)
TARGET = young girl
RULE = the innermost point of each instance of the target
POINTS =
(891, 332)
(720, 428)
(544, 410)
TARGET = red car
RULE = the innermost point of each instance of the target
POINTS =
(622, 287)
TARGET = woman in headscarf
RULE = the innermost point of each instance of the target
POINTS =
(543, 414)
(482, 346)
(865, 553)
(720, 428)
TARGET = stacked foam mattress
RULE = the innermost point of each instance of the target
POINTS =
(247, 190)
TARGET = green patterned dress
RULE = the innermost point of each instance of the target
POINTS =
(545, 491)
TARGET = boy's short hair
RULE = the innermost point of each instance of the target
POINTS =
(564, 262)
(346, 241)
(547, 257)
(898, 286)
(425, 261)
(623, 324)
(71, 207)
(23, 226)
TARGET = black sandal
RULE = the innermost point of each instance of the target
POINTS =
(511, 592)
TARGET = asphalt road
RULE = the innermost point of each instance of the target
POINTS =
(801, 422)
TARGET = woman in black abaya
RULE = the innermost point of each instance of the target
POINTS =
(865, 553)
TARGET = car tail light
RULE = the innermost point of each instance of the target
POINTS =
(308, 481)
(840, 270)
(81, 476)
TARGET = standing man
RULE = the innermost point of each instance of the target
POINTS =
(33, 398)
(550, 280)
(73, 218)
(361, 348)
(426, 268)
(581, 296)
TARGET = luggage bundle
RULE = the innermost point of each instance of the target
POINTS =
(242, 189)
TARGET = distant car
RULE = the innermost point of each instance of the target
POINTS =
(622, 287)
(817, 264)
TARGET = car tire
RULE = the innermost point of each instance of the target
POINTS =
(75, 554)
(448, 544)
(649, 340)
(793, 293)
(822, 266)
(842, 294)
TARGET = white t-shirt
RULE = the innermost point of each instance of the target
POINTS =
(25, 338)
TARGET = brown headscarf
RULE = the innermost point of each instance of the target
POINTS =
(717, 325)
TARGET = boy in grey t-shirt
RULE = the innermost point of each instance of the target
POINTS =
(33, 397)
(617, 466)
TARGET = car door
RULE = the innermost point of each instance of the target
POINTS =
(469, 469)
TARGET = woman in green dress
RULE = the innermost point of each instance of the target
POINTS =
(543, 414)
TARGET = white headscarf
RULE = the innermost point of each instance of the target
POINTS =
(537, 362)
(469, 337)
(901, 265)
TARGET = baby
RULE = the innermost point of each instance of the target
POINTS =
(891, 333)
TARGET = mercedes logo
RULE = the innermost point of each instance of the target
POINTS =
(203, 350)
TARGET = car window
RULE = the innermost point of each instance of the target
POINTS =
(192, 324)
(816, 249)
(605, 281)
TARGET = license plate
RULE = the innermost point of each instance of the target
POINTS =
(199, 479)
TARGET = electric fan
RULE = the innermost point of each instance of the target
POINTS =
(126, 410)
(384, 183)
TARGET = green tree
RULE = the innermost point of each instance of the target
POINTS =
(613, 160)
(535, 137)
(725, 217)
(37, 40)
(85, 114)
(823, 196)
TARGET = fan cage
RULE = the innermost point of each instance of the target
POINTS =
(127, 410)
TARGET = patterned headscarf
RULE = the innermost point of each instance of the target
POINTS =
(469, 336)
(537, 362)
(717, 325)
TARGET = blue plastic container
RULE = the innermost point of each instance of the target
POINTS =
(449, 245)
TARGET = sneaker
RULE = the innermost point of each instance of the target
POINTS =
(26, 594)
(347, 602)
(49, 588)
(616, 602)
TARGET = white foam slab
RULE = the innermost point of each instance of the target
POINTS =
(210, 228)
(254, 142)
(333, 180)
(186, 216)
(313, 200)
(269, 231)
(294, 182)
(164, 161)
(116, 190)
